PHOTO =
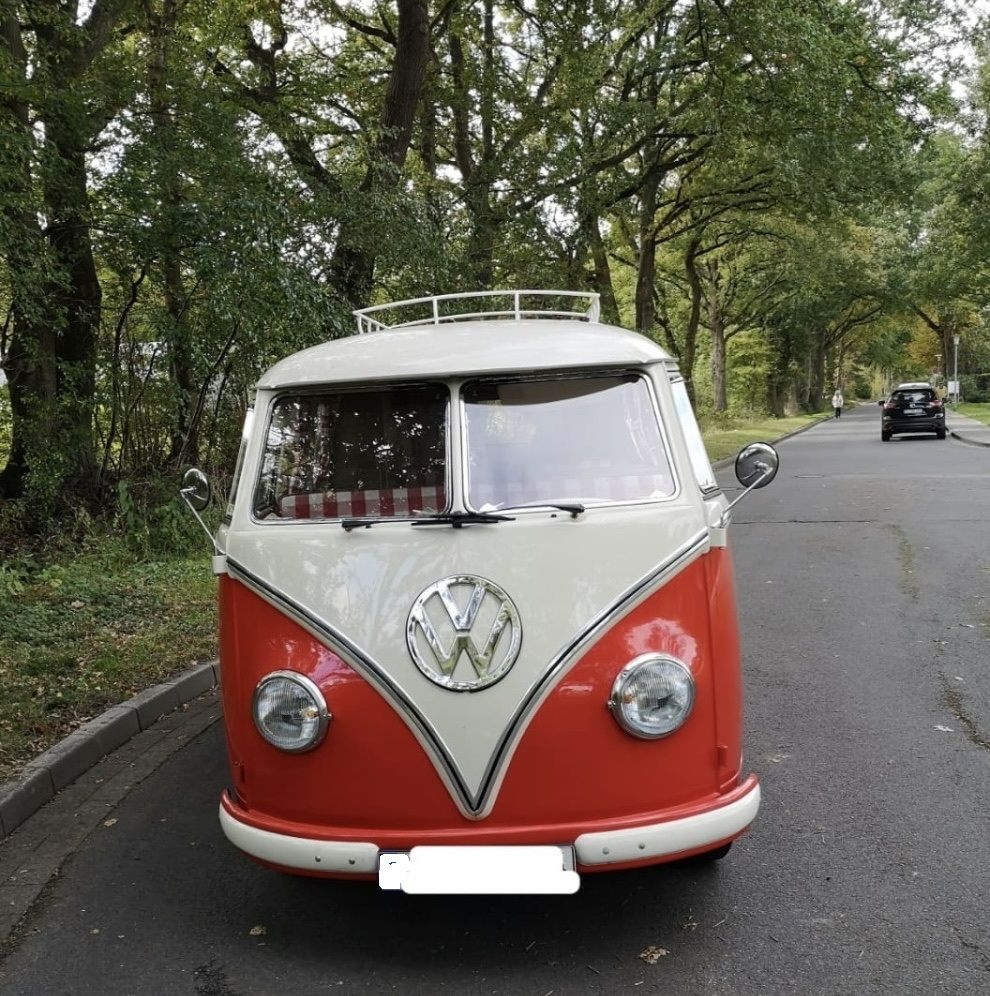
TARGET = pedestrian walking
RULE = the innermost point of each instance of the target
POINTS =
(838, 401)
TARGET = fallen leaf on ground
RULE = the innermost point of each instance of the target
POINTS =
(258, 931)
(653, 954)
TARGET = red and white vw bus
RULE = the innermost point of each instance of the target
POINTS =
(477, 622)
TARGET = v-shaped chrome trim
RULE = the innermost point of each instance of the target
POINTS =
(474, 805)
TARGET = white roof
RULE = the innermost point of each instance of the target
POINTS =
(465, 348)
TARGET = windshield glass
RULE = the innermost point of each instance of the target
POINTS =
(582, 439)
(380, 453)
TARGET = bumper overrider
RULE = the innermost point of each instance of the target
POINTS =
(670, 834)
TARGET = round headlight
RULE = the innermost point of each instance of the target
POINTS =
(652, 696)
(289, 711)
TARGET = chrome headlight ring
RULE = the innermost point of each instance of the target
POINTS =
(289, 711)
(652, 696)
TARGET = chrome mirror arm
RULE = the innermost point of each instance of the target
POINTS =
(185, 494)
(196, 493)
(723, 520)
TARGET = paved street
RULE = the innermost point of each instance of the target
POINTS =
(864, 585)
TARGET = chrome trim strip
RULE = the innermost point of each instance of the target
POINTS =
(476, 805)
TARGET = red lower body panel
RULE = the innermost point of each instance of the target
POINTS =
(573, 770)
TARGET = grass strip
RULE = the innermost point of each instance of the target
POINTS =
(81, 635)
(981, 412)
(726, 437)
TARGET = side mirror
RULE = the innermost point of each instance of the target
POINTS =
(756, 465)
(880, 402)
(196, 489)
(196, 493)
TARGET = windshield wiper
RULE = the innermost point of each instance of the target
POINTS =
(574, 507)
(348, 524)
(458, 519)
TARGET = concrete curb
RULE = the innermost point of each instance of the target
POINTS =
(62, 764)
(956, 434)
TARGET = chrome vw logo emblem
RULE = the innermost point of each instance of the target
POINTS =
(463, 633)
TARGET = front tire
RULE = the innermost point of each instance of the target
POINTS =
(885, 437)
(715, 854)
(940, 433)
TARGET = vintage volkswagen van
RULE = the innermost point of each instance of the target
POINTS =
(478, 630)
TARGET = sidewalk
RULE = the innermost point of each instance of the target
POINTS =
(966, 429)
(59, 766)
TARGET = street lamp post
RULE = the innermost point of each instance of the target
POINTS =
(955, 374)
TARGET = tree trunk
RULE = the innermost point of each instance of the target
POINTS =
(816, 382)
(716, 327)
(694, 315)
(476, 175)
(29, 355)
(184, 431)
(778, 378)
(647, 262)
(55, 289)
(51, 361)
(601, 277)
(353, 264)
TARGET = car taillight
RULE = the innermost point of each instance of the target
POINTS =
(937, 403)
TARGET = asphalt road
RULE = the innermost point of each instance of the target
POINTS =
(863, 582)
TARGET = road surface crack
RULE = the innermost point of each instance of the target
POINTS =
(973, 946)
(954, 702)
(905, 552)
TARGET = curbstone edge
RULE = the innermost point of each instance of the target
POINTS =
(63, 763)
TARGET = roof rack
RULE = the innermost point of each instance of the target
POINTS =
(515, 304)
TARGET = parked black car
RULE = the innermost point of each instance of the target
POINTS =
(912, 408)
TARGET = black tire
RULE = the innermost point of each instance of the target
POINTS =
(716, 854)
(940, 433)
(885, 437)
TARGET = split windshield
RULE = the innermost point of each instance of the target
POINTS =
(379, 453)
(588, 439)
(383, 453)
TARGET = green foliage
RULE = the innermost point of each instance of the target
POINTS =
(83, 631)
(801, 161)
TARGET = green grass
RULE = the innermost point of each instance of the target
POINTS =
(728, 436)
(80, 635)
(980, 412)
(82, 631)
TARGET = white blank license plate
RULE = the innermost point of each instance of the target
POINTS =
(513, 870)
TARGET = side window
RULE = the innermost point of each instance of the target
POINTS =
(239, 465)
(700, 463)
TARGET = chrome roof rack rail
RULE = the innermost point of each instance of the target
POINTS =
(514, 305)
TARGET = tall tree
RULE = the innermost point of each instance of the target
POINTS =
(60, 91)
